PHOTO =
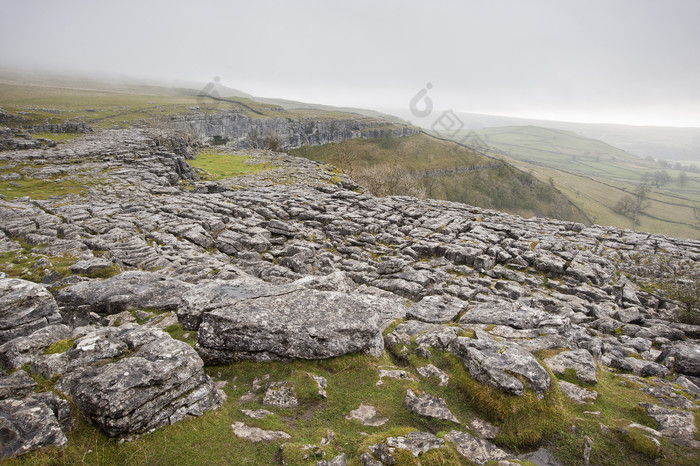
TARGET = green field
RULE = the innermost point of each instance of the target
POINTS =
(596, 176)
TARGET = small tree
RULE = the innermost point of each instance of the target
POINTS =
(682, 178)
(390, 180)
(631, 206)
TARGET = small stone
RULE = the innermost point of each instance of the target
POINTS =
(393, 374)
(255, 434)
(256, 413)
(427, 405)
(280, 394)
(367, 415)
(576, 393)
(432, 371)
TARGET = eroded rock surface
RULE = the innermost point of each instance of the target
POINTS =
(24, 308)
(298, 262)
(306, 324)
(493, 363)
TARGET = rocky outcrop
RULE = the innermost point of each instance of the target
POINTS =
(285, 133)
(132, 379)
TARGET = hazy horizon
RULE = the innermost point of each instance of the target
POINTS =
(622, 62)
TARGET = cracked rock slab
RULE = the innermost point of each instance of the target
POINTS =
(255, 434)
(302, 324)
(427, 405)
(477, 450)
(126, 291)
(436, 309)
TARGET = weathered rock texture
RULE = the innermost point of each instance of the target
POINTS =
(24, 308)
(298, 262)
(285, 133)
(304, 324)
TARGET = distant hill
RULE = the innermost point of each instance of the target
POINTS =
(597, 176)
(659, 142)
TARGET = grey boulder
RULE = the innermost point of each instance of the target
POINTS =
(31, 423)
(24, 308)
(306, 324)
(580, 361)
(497, 364)
(157, 381)
(682, 357)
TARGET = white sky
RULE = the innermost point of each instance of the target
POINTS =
(621, 61)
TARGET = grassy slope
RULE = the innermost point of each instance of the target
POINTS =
(595, 176)
(499, 187)
(107, 109)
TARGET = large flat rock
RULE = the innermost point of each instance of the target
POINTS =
(306, 324)
(126, 291)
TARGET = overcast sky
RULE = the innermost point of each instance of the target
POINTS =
(621, 61)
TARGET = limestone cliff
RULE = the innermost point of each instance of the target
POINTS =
(286, 133)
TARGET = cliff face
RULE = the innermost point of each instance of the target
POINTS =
(286, 133)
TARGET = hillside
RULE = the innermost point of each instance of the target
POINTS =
(596, 176)
(659, 142)
(439, 169)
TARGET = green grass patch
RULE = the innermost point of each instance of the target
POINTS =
(176, 331)
(224, 165)
(39, 188)
(60, 346)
